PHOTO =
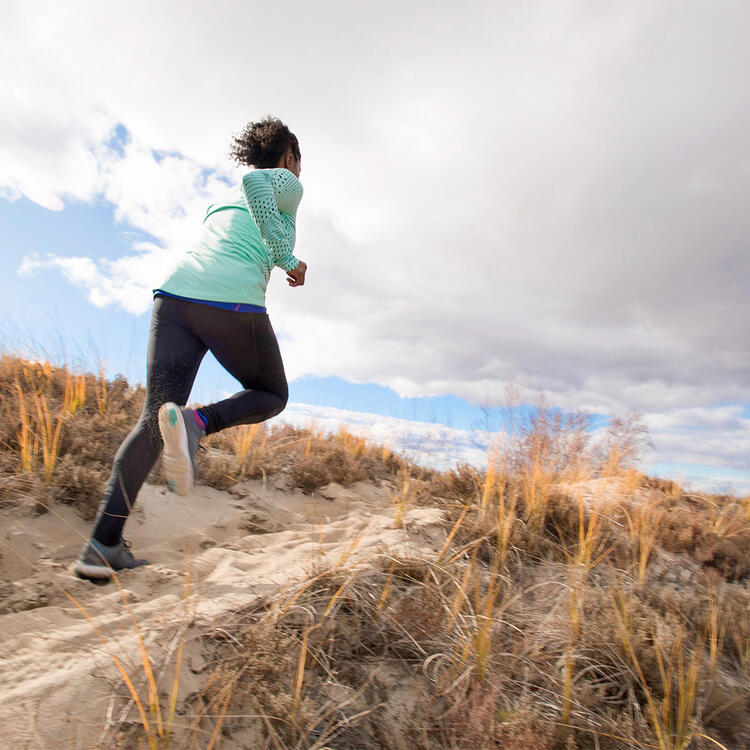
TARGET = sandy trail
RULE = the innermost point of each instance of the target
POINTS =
(58, 681)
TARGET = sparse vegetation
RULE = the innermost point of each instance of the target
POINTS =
(571, 602)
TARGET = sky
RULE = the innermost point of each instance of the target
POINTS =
(547, 195)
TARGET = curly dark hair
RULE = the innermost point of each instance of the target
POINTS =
(261, 144)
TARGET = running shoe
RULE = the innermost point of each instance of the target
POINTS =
(99, 561)
(181, 435)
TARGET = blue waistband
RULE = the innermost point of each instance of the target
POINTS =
(235, 306)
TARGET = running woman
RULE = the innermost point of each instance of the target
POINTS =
(214, 301)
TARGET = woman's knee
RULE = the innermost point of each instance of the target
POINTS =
(282, 400)
(281, 391)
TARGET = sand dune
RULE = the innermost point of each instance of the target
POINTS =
(59, 686)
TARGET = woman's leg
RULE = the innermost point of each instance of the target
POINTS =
(174, 355)
(245, 345)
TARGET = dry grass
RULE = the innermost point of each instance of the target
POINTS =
(307, 458)
(59, 437)
(512, 651)
(573, 603)
(62, 430)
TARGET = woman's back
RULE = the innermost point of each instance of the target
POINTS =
(249, 229)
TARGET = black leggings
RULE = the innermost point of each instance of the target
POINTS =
(181, 334)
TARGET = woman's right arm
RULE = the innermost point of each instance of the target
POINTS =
(260, 188)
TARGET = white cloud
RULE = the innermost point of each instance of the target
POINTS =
(717, 437)
(429, 444)
(127, 281)
(720, 484)
(553, 194)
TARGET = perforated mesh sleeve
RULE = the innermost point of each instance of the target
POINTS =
(272, 197)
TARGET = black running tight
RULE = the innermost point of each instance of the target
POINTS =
(181, 334)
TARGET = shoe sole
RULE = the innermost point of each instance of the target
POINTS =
(177, 464)
(87, 571)
(96, 573)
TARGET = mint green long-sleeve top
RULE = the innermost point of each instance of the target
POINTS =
(246, 233)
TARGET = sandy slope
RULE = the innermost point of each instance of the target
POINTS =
(58, 682)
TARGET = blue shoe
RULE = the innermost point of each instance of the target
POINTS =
(181, 436)
(100, 561)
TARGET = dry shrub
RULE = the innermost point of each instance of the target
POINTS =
(217, 468)
(364, 660)
(327, 464)
(689, 526)
(605, 685)
(730, 557)
(91, 438)
(220, 460)
(419, 604)
(460, 485)
(562, 528)
(257, 674)
(665, 486)
(557, 444)
(80, 485)
(476, 720)
(626, 439)
(88, 438)
(308, 458)
(22, 490)
(657, 620)
(311, 473)
(345, 647)
(313, 460)
(542, 451)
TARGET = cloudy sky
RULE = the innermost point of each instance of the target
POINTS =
(552, 194)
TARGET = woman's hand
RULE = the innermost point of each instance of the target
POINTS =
(297, 276)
